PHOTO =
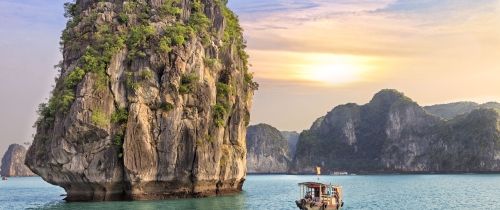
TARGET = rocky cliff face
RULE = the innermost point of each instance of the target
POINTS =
(267, 150)
(468, 143)
(394, 134)
(13, 162)
(452, 110)
(292, 138)
(152, 102)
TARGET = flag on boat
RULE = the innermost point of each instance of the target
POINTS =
(318, 170)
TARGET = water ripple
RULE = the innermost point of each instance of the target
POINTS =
(279, 192)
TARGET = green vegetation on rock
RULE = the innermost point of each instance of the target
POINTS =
(170, 7)
(210, 62)
(120, 116)
(74, 78)
(219, 115)
(198, 21)
(223, 90)
(130, 81)
(118, 140)
(147, 74)
(175, 35)
(221, 109)
(166, 106)
(188, 83)
(99, 118)
(123, 18)
(138, 40)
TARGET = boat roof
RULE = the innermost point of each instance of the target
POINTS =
(312, 184)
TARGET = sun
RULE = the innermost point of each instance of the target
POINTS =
(335, 73)
(334, 69)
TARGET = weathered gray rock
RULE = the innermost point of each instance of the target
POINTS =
(161, 119)
(267, 150)
(394, 134)
(468, 143)
(13, 162)
(292, 138)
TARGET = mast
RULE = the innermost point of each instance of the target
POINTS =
(318, 171)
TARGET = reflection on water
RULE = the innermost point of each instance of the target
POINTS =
(227, 202)
(280, 191)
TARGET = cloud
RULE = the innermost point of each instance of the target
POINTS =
(431, 13)
(266, 6)
(421, 6)
(435, 51)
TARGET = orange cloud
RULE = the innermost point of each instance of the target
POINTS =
(439, 52)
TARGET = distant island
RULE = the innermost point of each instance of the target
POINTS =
(269, 151)
(391, 134)
(13, 162)
(452, 110)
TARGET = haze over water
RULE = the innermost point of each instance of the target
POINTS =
(279, 192)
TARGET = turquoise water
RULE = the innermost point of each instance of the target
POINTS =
(280, 191)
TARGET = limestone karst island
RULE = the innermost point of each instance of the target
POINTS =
(152, 102)
(249, 104)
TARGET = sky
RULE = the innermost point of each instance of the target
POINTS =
(307, 55)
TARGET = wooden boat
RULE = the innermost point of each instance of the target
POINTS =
(319, 196)
(340, 173)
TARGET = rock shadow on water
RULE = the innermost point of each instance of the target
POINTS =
(233, 202)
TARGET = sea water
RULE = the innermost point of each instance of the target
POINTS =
(279, 192)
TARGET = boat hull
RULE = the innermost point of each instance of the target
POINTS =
(310, 206)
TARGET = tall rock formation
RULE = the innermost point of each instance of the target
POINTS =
(292, 137)
(267, 150)
(13, 162)
(392, 133)
(152, 102)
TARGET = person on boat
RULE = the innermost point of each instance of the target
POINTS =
(308, 195)
(329, 191)
(336, 195)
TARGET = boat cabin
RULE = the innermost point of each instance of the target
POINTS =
(324, 196)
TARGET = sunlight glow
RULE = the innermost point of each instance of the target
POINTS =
(334, 69)
(334, 73)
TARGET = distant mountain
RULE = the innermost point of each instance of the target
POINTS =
(267, 150)
(491, 105)
(292, 137)
(13, 162)
(452, 110)
(392, 133)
